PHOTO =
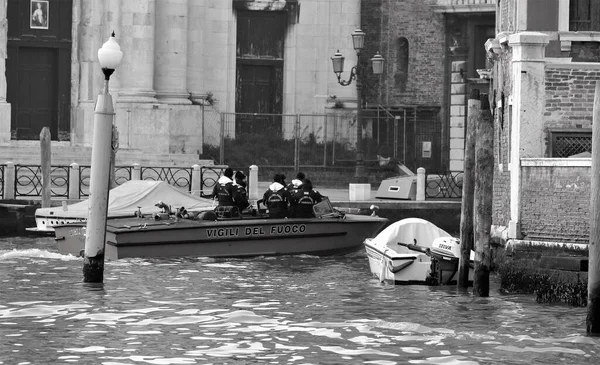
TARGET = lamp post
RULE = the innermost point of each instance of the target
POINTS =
(109, 56)
(356, 73)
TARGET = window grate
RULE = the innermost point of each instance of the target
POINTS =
(569, 144)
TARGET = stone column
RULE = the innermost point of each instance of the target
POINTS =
(5, 115)
(136, 71)
(457, 114)
(91, 74)
(170, 60)
(195, 50)
(526, 132)
(112, 23)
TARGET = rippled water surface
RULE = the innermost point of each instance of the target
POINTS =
(290, 310)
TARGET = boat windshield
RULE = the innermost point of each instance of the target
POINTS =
(323, 209)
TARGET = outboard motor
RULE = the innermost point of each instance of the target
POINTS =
(446, 252)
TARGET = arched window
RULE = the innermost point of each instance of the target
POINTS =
(401, 76)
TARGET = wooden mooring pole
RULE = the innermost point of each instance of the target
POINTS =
(593, 304)
(46, 167)
(466, 213)
(482, 202)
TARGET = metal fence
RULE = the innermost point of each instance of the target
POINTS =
(409, 135)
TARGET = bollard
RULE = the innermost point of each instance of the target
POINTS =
(466, 214)
(196, 180)
(420, 184)
(253, 193)
(136, 174)
(9, 180)
(74, 181)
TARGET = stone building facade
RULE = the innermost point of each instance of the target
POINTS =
(182, 61)
(545, 67)
(188, 61)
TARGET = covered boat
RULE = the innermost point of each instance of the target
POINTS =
(124, 201)
(414, 251)
(330, 232)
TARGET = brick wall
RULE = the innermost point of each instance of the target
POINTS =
(424, 29)
(555, 203)
(569, 96)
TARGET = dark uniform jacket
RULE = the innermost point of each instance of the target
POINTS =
(240, 197)
(224, 191)
(303, 202)
(276, 199)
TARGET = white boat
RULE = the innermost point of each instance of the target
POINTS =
(414, 251)
(124, 201)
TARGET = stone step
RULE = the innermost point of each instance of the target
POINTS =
(29, 154)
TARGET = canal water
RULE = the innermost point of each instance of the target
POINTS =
(288, 310)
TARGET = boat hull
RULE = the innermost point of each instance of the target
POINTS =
(135, 237)
(399, 268)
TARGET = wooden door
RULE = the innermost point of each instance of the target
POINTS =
(38, 68)
(32, 92)
(259, 72)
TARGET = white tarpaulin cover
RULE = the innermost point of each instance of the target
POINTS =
(406, 231)
(125, 199)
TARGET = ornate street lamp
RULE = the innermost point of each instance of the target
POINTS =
(377, 62)
(109, 56)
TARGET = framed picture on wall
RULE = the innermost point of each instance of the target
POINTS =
(38, 14)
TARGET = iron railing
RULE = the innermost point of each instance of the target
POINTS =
(440, 186)
(28, 179)
(180, 177)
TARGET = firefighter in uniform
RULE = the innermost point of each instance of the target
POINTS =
(240, 197)
(304, 199)
(224, 192)
(277, 198)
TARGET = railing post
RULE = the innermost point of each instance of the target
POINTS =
(253, 193)
(9, 181)
(136, 174)
(222, 140)
(325, 141)
(74, 181)
(297, 143)
(196, 180)
(420, 184)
